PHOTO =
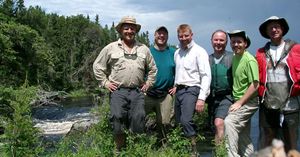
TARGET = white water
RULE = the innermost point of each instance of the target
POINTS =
(58, 120)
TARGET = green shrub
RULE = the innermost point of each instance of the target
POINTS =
(220, 149)
(21, 137)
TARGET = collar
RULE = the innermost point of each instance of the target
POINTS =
(157, 48)
(136, 43)
(190, 45)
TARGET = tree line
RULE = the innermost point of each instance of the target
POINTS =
(52, 51)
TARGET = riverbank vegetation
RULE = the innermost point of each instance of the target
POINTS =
(21, 138)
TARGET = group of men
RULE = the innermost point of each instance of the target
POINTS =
(234, 85)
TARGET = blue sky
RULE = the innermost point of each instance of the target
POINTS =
(204, 16)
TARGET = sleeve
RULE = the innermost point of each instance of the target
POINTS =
(205, 75)
(252, 73)
(100, 67)
(152, 70)
(174, 57)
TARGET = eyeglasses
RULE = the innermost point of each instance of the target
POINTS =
(132, 56)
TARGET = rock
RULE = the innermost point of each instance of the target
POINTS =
(82, 125)
(55, 128)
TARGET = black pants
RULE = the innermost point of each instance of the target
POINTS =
(269, 124)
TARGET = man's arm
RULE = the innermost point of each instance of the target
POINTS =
(152, 70)
(205, 77)
(250, 91)
(100, 67)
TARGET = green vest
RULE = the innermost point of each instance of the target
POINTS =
(221, 74)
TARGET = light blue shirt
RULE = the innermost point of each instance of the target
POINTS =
(192, 68)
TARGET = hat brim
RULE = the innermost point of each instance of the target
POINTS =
(162, 28)
(241, 34)
(118, 27)
(281, 21)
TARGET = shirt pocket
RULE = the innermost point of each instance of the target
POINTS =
(117, 61)
(141, 60)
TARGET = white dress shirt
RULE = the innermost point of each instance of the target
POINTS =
(193, 69)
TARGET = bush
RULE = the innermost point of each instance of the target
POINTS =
(220, 149)
(20, 136)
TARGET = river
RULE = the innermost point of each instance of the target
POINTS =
(55, 121)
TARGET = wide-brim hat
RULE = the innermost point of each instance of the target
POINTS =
(240, 33)
(280, 20)
(128, 20)
(162, 28)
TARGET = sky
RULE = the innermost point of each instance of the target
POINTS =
(204, 16)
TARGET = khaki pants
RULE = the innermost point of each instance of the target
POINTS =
(163, 107)
(237, 130)
(164, 110)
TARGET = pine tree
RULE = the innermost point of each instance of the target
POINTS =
(7, 8)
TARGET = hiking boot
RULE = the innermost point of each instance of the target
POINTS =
(120, 141)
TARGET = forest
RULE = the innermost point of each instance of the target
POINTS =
(49, 50)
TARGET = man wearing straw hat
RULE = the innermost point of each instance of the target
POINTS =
(121, 67)
(279, 90)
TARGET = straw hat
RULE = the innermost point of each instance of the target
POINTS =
(128, 20)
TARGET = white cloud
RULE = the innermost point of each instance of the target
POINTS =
(204, 16)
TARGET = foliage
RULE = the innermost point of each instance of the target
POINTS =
(220, 149)
(24, 55)
(98, 139)
(77, 93)
(48, 50)
(21, 138)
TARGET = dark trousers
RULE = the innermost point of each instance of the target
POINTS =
(269, 124)
(127, 110)
(185, 102)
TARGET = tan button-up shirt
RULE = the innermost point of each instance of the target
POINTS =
(115, 64)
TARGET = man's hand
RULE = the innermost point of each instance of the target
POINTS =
(172, 91)
(200, 105)
(235, 106)
(111, 86)
(145, 87)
